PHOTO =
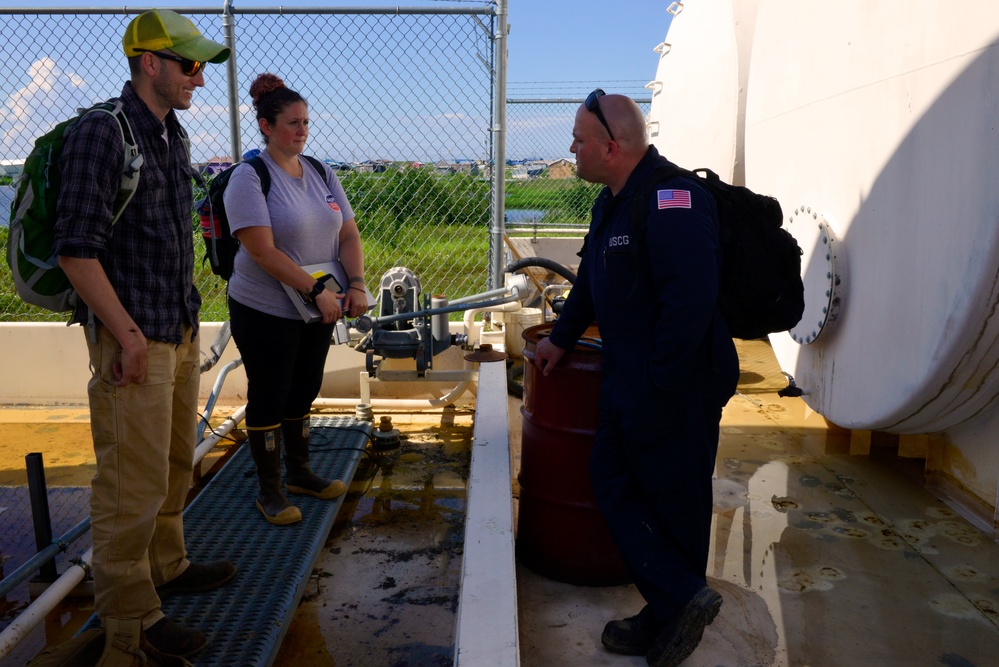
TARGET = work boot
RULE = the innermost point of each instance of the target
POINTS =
(681, 635)
(298, 475)
(265, 446)
(633, 635)
(198, 578)
(122, 643)
(173, 639)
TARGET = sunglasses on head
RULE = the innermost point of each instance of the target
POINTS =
(593, 105)
(188, 67)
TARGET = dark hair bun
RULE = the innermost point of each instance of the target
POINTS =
(265, 83)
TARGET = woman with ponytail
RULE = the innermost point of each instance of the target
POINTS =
(304, 218)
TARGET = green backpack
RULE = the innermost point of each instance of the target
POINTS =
(35, 269)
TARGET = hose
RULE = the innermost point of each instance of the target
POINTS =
(542, 262)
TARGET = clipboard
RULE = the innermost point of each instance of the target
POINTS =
(336, 277)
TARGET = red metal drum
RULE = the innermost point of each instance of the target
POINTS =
(560, 532)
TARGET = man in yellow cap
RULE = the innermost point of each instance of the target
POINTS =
(135, 280)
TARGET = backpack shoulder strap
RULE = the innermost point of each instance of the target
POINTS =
(263, 174)
(320, 169)
(317, 165)
(132, 160)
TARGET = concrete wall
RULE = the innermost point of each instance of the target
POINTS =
(46, 363)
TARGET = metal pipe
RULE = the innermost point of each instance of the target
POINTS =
(496, 226)
(229, 35)
(566, 100)
(41, 518)
(484, 305)
(24, 572)
(214, 396)
(471, 10)
(517, 287)
(465, 299)
(43, 605)
(207, 444)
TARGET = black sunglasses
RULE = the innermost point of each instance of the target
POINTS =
(592, 104)
(188, 67)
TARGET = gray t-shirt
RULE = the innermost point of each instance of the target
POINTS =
(305, 215)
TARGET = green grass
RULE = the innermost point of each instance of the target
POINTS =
(435, 225)
(452, 262)
(538, 194)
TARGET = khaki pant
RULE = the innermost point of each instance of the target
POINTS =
(144, 440)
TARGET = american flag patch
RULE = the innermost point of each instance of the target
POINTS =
(673, 199)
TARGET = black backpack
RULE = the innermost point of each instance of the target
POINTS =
(761, 290)
(220, 244)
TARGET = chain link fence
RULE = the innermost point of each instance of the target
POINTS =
(401, 103)
(543, 194)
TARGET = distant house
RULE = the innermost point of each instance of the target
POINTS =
(374, 166)
(215, 165)
(465, 168)
(461, 166)
(561, 169)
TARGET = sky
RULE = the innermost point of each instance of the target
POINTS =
(569, 46)
(558, 49)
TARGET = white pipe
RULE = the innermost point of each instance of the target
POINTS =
(208, 444)
(406, 404)
(43, 605)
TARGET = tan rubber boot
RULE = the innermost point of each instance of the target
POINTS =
(298, 475)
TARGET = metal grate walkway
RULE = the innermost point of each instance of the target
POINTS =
(246, 619)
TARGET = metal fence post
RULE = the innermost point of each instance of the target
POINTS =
(499, 149)
(232, 82)
(40, 518)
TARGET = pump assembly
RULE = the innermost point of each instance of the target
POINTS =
(405, 328)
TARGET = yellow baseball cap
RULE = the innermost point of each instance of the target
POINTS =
(160, 29)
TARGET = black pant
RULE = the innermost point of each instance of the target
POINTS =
(651, 467)
(284, 361)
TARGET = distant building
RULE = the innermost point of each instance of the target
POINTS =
(462, 166)
(11, 168)
(561, 169)
(215, 165)
(336, 165)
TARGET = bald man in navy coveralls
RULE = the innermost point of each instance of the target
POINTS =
(669, 366)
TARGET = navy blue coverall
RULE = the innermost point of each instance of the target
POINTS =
(669, 366)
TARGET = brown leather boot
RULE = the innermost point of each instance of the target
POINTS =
(299, 476)
(265, 446)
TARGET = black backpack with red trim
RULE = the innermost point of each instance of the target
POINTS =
(220, 244)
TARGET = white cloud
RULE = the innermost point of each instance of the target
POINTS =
(28, 111)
